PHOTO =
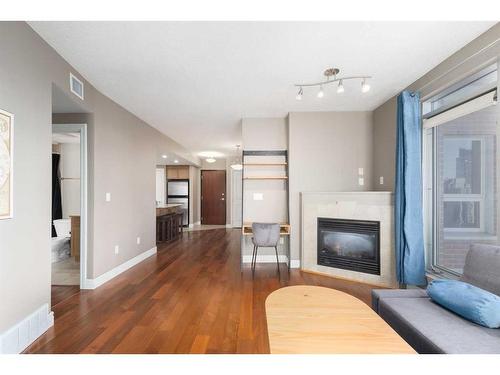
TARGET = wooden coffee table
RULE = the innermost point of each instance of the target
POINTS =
(313, 319)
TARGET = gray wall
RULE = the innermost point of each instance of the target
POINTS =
(123, 151)
(325, 151)
(482, 51)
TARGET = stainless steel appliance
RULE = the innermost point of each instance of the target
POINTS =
(178, 193)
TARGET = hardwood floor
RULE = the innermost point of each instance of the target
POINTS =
(62, 292)
(189, 298)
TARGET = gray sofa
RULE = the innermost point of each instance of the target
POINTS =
(430, 328)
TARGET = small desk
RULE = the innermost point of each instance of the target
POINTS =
(312, 319)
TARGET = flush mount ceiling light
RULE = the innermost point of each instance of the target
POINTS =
(210, 160)
(237, 164)
(329, 73)
(164, 156)
(176, 161)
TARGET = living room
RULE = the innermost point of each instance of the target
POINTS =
(321, 187)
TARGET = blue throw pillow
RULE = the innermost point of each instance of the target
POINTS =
(468, 301)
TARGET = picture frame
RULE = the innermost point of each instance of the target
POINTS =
(6, 165)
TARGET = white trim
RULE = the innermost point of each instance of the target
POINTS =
(229, 225)
(82, 128)
(105, 277)
(191, 226)
(71, 78)
(272, 259)
(469, 107)
(23, 334)
(266, 258)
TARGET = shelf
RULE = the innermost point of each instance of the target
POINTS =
(246, 229)
(265, 164)
(266, 178)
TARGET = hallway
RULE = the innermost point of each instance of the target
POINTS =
(189, 298)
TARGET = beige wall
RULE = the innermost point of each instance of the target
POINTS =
(123, 151)
(479, 53)
(325, 151)
(384, 149)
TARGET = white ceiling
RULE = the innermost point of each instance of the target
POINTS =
(195, 80)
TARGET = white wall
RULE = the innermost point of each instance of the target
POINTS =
(69, 168)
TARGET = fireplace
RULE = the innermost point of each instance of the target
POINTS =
(349, 244)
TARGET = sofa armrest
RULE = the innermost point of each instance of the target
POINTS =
(378, 294)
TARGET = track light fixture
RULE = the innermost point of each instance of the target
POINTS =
(331, 76)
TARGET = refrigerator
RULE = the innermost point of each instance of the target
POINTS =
(178, 192)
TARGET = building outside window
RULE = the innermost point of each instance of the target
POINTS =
(461, 171)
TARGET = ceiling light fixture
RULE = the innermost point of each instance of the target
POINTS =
(237, 164)
(176, 161)
(164, 156)
(210, 160)
(331, 76)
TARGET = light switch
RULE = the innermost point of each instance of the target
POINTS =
(117, 249)
(258, 196)
(138, 240)
(381, 180)
(361, 171)
(361, 181)
(108, 197)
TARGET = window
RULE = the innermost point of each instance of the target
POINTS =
(461, 169)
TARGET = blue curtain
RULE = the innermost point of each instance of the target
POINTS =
(410, 261)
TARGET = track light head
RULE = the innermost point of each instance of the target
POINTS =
(340, 87)
(299, 94)
(321, 93)
(365, 87)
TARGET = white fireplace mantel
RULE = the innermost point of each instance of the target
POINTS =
(372, 205)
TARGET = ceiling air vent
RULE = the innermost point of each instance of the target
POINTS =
(76, 86)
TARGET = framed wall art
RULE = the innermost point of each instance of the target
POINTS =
(6, 164)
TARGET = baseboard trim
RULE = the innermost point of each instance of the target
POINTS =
(197, 223)
(266, 258)
(24, 333)
(105, 277)
(229, 225)
(272, 259)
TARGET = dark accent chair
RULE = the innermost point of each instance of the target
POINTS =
(430, 328)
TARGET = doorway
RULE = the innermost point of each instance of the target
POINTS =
(213, 197)
(69, 205)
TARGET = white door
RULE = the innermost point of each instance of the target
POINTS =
(161, 181)
(237, 202)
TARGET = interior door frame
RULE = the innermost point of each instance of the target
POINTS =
(225, 193)
(85, 283)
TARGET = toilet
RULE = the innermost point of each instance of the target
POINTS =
(61, 244)
(63, 227)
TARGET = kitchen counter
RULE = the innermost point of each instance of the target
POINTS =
(165, 209)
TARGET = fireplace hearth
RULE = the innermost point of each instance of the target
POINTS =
(349, 244)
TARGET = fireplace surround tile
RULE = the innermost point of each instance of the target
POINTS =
(375, 206)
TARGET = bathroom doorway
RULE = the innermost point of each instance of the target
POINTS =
(69, 207)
